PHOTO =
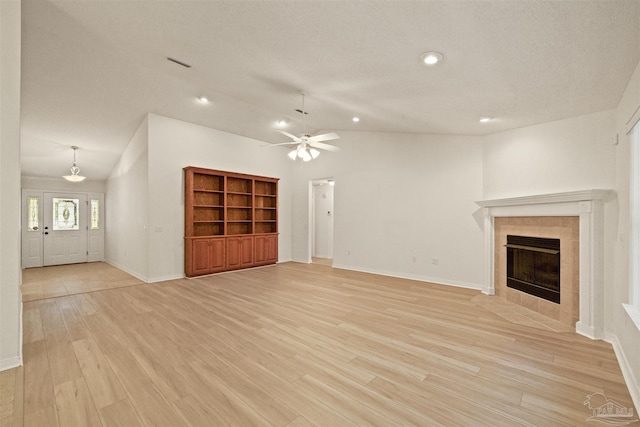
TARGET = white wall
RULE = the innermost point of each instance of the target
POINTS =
(174, 144)
(59, 184)
(10, 273)
(323, 221)
(565, 155)
(623, 332)
(400, 197)
(127, 208)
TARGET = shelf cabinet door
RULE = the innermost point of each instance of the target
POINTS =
(271, 243)
(246, 254)
(266, 249)
(200, 258)
(239, 252)
(208, 256)
(217, 250)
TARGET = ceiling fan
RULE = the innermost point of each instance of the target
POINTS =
(307, 144)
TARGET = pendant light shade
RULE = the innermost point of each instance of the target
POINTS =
(75, 170)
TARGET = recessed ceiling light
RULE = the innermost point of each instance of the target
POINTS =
(431, 58)
(281, 123)
(485, 119)
(356, 119)
(203, 99)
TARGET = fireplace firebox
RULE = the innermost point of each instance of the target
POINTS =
(533, 266)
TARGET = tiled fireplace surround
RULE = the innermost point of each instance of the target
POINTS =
(565, 228)
(576, 218)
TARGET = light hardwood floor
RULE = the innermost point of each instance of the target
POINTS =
(322, 261)
(297, 345)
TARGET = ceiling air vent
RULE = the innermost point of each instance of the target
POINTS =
(300, 111)
(179, 62)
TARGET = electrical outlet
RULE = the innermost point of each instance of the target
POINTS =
(414, 259)
(348, 251)
(435, 261)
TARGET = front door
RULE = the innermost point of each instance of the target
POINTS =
(64, 228)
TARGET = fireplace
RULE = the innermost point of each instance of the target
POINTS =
(582, 289)
(533, 266)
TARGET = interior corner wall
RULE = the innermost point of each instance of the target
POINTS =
(127, 208)
(584, 152)
(10, 272)
(404, 205)
(173, 145)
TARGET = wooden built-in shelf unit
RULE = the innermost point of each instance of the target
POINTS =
(231, 221)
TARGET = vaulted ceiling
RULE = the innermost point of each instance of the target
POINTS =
(91, 70)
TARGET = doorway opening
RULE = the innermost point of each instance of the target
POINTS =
(322, 221)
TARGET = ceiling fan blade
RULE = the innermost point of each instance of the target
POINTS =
(295, 138)
(323, 146)
(324, 137)
(281, 143)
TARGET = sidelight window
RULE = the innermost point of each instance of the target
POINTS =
(33, 213)
(95, 214)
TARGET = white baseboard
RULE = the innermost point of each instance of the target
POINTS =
(126, 270)
(165, 278)
(12, 362)
(162, 278)
(145, 279)
(589, 331)
(419, 278)
(627, 372)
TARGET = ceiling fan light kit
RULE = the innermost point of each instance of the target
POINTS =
(303, 152)
(75, 170)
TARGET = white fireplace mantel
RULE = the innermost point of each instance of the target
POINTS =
(588, 205)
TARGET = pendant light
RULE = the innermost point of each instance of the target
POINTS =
(75, 170)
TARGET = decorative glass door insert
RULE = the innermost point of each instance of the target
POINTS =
(65, 214)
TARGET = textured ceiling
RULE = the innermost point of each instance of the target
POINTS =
(91, 70)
